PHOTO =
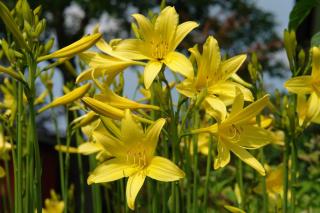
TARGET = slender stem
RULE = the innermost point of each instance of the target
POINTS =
(8, 183)
(18, 169)
(33, 136)
(264, 186)
(293, 173)
(240, 183)
(285, 176)
(58, 141)
(208, 169)
(195, 165)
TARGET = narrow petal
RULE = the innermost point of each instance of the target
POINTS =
(186, 88)
(131, 130)
(246, 157)
(313, 107)
(103, 108)
(223, 157)
(152, 136)
(182, 31)
(106, 48)
(146, 29)
(151, 71)
(89, 148)
(67, 98)
(231, 66)
(134, 49)
(248, 112)
(299, 85)
(218, 107)
(163, 169)
(253, 137)
(166, 24)
(134, 185)
(178, 62)
(110, 170)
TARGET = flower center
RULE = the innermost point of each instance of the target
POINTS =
(232, 133)
(137, 157)
(159, 49)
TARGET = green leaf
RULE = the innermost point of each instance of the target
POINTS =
(300, 11)
(315, 40)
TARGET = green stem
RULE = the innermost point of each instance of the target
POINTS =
(8, 183)
(240, 183)
(18, 169)
(285, 176)
(293, 174)
(195, 164)
(58, 141)
(264, 186)
(208, 169)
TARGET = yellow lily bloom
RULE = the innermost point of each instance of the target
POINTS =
(214, 79)
(133, 156)
(236, 133)
(157, 43)
(53, 204)
(308, 109)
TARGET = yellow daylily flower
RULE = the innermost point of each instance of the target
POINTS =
(133, 157)
(307, 84)
(214, 79)
(157, 43)
(308, 109)
(236, 133)
(53, 204)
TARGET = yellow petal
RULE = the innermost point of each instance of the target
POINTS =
(315, 63)
(106, 48)
(248, 112)
(246, 157)
(146, 30)
(67, 98)
(104, 62)
(209, 61)
(2, 172)
(110, 170)
(178, 62)
(134, 185)
(120, 102)
(131, 130)
(81, 45)
(299, 85)
(151, 71)
(253, 137)
(163, 169)
(223, 157)
(211, 129)
(313, 107)
(89, 148)
(166, 24)
(182, 31)
(134, 49)
(186, 88)
(103, 108)
(152, 136)
(218, 107)
(66, 149)
(231, 66)
(233, 209)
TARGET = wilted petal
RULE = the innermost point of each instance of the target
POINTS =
(163, 169)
